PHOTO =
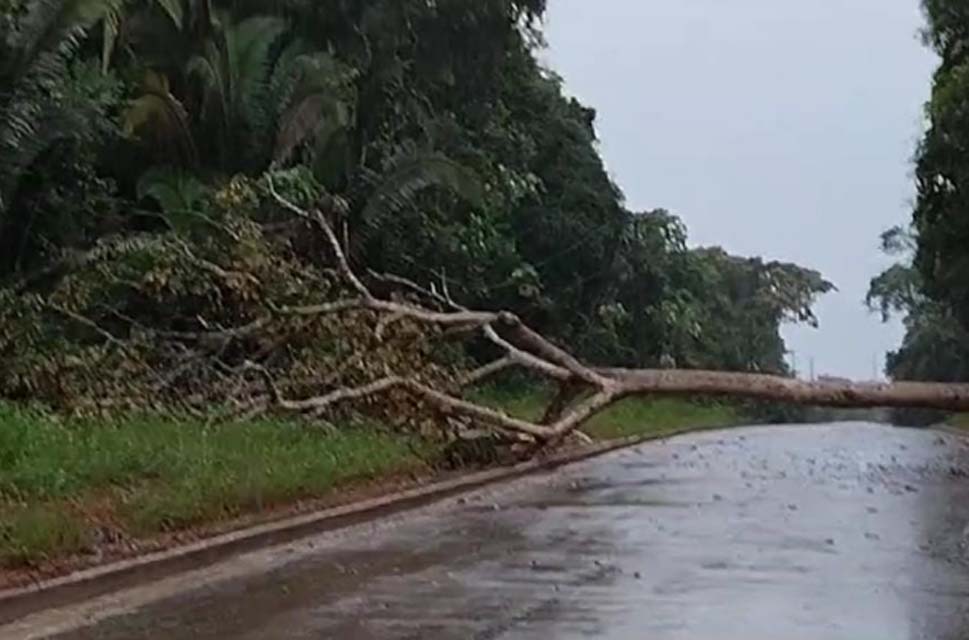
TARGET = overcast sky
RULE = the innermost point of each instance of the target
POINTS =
(775, 128)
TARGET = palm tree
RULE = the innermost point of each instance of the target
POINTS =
(34, 59)
(250, 94)
(232, 74)
(191, 19)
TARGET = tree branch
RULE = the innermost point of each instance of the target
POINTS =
(334, 242)
(576, 417)
(483, 373)
(537, 344)
(498, 419)
(414, 288)
(526, 359)
(442, 401)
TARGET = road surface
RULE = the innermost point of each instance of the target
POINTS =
(846, 531)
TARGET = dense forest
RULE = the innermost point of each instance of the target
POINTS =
(141, 142)
(929, 286)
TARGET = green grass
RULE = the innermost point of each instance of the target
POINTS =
(630, 417)
(959, 421)
(64, 483)
(60, 481)
(639, 417)
(30, 533)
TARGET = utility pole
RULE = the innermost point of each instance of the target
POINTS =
(813, 379)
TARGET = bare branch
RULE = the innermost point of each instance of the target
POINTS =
(327, 308)
(90, 324)
(342, 395)
(445, 291)
(469, 318)
(576, 417)
(441, 401)
(341, 258)
(274, 396)
(497, 419)
(415, 288)
(537, 344)
(568, 391)
(318, 218)
(483, 373)
(526, 359)
(283, 202)
(325, 401)
(385, 323)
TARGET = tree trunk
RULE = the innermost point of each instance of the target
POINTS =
(524, 347)
(923, 395)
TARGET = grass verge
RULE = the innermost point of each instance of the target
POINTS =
(959, 421)
(630, 417)
(70, 487)
(67, 486)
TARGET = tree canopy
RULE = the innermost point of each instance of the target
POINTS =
(139, 140)
(928, 286)
(941, 217)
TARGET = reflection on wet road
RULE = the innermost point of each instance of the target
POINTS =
(842, 531)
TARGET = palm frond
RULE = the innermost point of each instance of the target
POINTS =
(49, 33)
(233, 74)
(174, 9)
(159, 117)
(251, 46)
(33, 114)
(208, 70)
(111, 28)
(413, 174)
(319, 104)
(178, 193)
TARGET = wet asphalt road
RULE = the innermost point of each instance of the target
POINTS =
(844, 531)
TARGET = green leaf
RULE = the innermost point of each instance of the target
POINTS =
(174, 10)
(178, 193)
(111, 29)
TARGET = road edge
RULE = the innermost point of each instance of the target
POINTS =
(950, 430)
(90, 583)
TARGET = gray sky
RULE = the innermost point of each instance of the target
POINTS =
(775, 128)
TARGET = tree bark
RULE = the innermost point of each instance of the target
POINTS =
(922, 395)
(567, 393)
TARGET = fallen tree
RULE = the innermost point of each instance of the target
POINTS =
(584, 390)
(265, 313)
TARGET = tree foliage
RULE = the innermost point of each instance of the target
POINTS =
(928, 286)
(135, 141)
(941, 215)
(936, 345)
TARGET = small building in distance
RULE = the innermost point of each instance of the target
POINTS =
(833, 380)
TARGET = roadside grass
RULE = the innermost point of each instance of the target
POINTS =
(68, 486)
(630, 417)
(959, 421)
(63, 483)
